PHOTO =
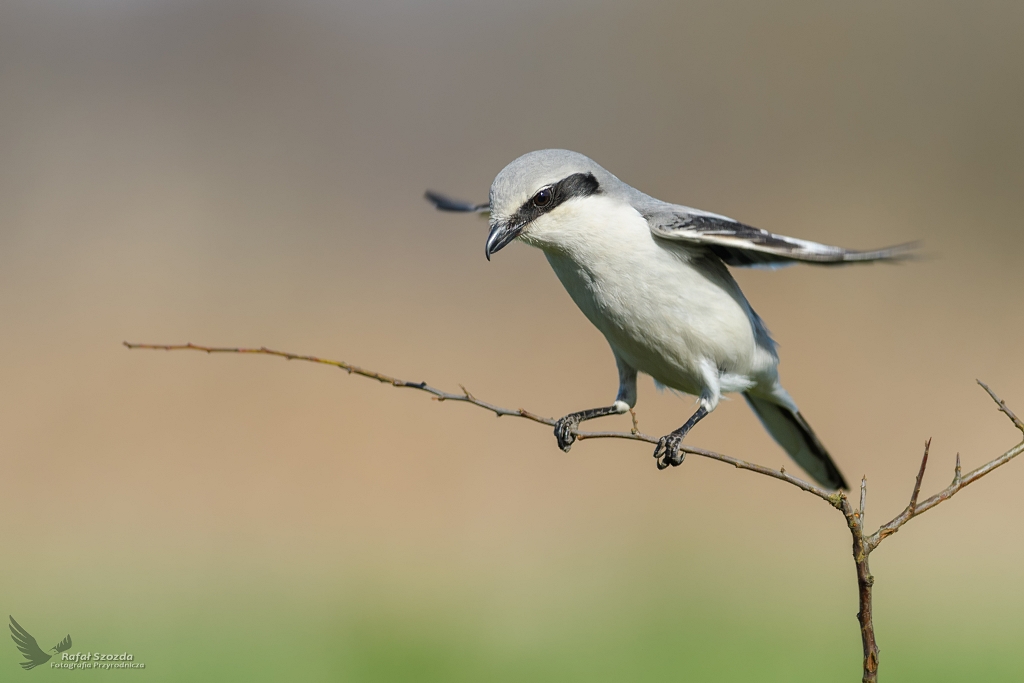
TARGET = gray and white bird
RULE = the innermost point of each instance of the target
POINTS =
(653, 278)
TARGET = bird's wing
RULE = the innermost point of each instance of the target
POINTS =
(28, 646)
(443, 203)
(64, 644)
(741, 245)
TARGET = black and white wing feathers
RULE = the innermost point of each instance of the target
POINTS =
(443, 203)
(742, 245)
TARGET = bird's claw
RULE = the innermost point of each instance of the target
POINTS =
(565, 431)
(667, 451)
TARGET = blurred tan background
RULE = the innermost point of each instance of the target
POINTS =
(238, 173)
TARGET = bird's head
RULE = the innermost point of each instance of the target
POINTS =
(538, 196)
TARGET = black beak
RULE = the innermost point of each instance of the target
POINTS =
(501, 234)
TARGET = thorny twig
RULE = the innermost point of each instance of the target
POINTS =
(466, 397)
(863, 544)
(959, 480)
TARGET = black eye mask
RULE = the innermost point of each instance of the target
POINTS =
(576, 185)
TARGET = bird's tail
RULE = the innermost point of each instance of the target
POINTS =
(789, 429)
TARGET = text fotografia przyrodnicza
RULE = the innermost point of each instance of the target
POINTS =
(97, 660)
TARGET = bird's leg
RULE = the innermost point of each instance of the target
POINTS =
(668, 446)
(667, 452)
(565, 429)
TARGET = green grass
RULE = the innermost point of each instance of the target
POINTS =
(377, 634)
(635, 614)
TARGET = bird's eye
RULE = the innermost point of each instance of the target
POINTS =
(542, 198)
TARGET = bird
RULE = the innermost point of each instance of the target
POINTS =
(654, 278)
(30, 648)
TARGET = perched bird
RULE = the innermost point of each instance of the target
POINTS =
(30, 649)
(653, 278)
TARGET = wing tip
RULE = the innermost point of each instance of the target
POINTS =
(445, 203)
(907, 251)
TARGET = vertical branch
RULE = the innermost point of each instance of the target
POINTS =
(862, 547)
(865, 581)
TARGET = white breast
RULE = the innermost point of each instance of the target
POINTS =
(662, 307)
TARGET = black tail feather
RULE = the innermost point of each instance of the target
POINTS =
(791, 431)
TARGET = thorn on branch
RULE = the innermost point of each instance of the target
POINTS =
(920, 477)
(863, 495)
(957, 474)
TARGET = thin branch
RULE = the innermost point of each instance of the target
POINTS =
(466, 397)
(959, 480)
(1002, 407)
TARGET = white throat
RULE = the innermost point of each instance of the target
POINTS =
(588, 227)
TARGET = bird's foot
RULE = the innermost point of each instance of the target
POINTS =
(667, 451)
(565, 430)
